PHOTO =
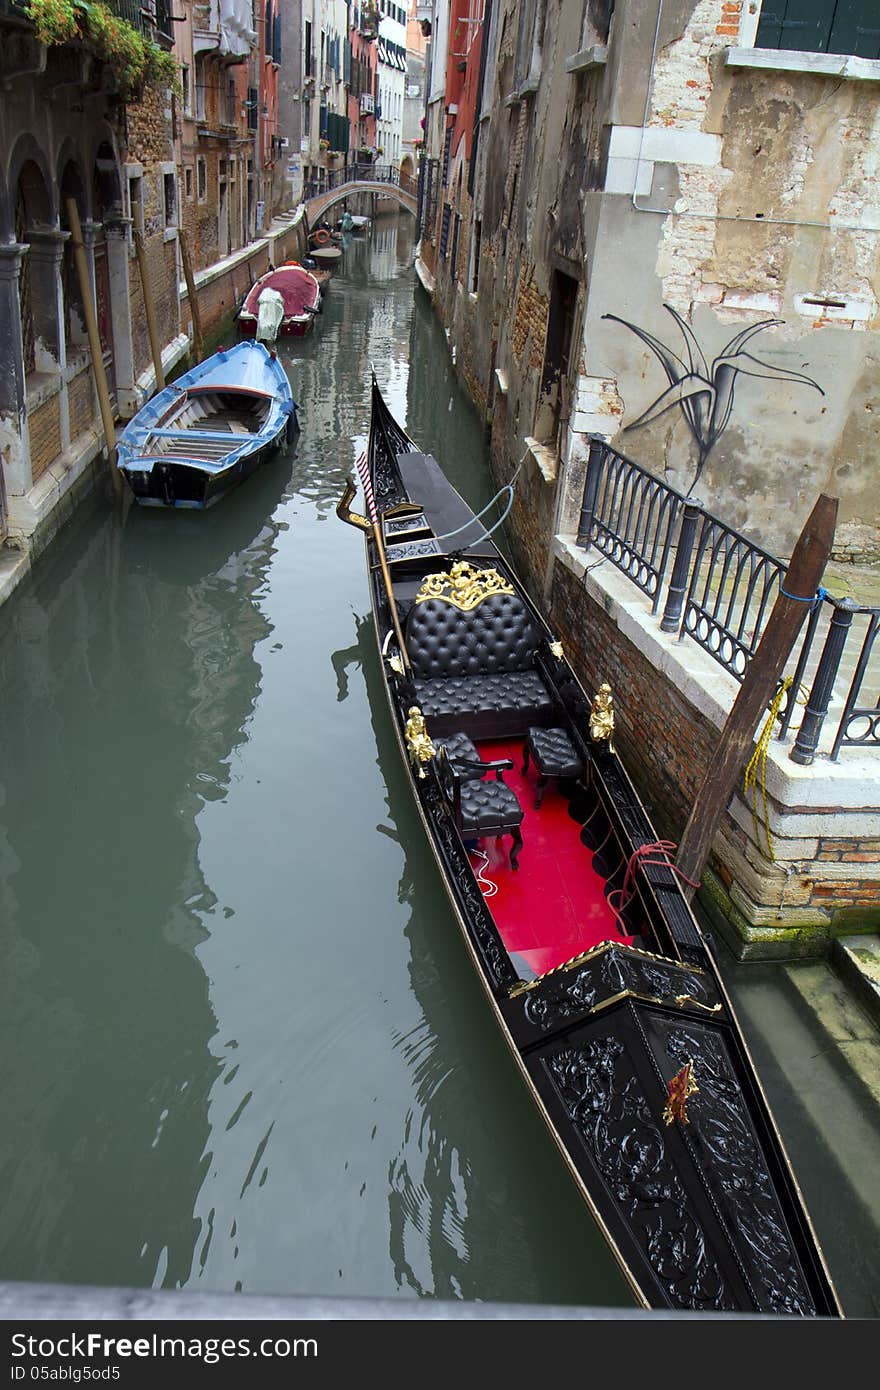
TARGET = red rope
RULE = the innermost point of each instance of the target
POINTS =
(642, 858)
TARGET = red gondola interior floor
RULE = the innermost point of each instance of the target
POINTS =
(553, 906)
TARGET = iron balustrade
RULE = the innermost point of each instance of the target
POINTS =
(629, 515)
(359, 172)
(720, 593)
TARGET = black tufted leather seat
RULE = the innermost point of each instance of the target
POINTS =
(463, 754)
(553, 754)
(474, 671)
(480, 808)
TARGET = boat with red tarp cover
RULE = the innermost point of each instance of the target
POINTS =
(571, 908)
(300, 292)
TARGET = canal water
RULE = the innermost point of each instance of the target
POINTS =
(243, 1046)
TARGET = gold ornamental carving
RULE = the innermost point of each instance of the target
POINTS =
(464, 586)
(602, 717)
(418, 741)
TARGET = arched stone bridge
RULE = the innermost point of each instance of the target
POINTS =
(383, 179)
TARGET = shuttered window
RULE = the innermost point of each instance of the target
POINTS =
(821, 26)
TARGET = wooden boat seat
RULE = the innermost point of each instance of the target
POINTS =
(474, 669)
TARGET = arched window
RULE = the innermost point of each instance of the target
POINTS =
(36, 300)
(75, 334)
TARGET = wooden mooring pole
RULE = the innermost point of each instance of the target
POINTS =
(147, 287)
(195, 312)
(95, 348)
(792, 607)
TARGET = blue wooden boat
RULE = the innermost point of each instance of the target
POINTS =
(209, 430)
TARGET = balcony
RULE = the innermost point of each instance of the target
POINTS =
(71, 63)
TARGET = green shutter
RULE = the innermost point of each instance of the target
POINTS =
(821, 26)
(856, 28)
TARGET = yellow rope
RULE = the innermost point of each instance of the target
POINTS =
(757, 768)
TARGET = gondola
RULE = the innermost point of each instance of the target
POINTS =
(603, 984)
(209, 430)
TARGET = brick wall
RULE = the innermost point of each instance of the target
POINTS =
(44, 428)
(81, 402)
(221, 297)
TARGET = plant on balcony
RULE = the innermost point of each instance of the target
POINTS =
(323, 144)
(137, 62)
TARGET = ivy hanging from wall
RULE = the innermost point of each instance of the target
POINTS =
(137, 62)
(703, 392)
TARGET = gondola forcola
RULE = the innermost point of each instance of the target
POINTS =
(209, 430)
(572, 912)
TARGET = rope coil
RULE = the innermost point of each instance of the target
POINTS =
(756, 769)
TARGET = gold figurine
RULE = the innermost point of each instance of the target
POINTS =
(681, 1088)
(602, 717)
(418, 740)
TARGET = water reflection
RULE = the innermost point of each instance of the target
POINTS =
(127, 677)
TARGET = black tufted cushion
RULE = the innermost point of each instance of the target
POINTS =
(487, 806)
(497, 635)
(458, 746)
(554, 753)
(496, 706)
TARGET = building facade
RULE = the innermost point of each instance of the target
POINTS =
(67, 134)
(661, 228)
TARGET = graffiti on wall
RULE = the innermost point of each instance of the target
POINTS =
(704, 392)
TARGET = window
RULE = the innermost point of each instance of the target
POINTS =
(202, 178)
(557, 353)
(307, 51)
(188, 181)
(136, 202)
(821, 26)
(169, 189)
(475, 255)
(454, 258)
(444, 229)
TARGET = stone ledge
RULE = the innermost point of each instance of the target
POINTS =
(857, 960)
(825, 789)
(594, 57)
(821, 64)
(545, 457)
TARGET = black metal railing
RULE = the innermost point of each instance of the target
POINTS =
(356, 172)
(131, 10)
(720, 588)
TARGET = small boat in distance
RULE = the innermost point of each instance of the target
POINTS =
(209, 430)
(598, 974)
(301, 295)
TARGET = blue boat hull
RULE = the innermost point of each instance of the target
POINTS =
(181, 485)
(209, 430)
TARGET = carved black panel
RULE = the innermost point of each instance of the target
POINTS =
(722, 1136)
(565, 995)
(482, 928)
(599, 1087)
(407, 550)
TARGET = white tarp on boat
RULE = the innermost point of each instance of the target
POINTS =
(270, 312)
